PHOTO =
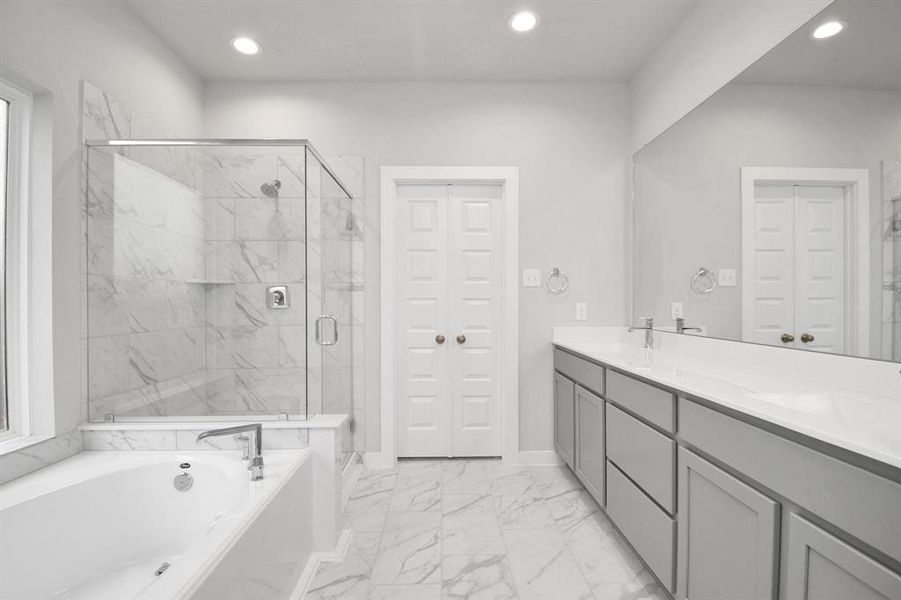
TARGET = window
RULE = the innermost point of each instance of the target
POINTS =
(26, 392)
(4, 165)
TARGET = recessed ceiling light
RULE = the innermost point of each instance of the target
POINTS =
(523, 21)
(827, 30)
(245, 45)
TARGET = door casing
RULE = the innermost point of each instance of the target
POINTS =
(508, 179)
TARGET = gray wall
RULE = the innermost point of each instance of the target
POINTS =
(569, 140)
(688, 197)
(55, 45)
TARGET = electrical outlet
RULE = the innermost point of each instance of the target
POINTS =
(676, 310)
(531, 277)
(581, 311)
(727, 277)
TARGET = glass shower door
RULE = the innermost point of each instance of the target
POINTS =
(331, 281)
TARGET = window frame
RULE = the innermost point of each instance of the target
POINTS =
(29, 400)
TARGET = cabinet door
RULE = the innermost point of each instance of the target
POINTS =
(822, 567)
(727, 535)
(564, 418)
(590, 442)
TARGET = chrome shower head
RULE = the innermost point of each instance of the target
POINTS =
(271, 188)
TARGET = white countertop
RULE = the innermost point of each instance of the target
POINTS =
(863, 419)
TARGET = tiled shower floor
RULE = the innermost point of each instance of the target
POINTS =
(475, 529)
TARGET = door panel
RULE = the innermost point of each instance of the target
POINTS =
(727, 535)
(773, 282)
(820, 267)
(822, 567)
(474, 306)
(564, 419)
(422, 294)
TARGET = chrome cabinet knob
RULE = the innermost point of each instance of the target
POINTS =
(461, 339)
(439, 339)
(787, 338)
(807, 338)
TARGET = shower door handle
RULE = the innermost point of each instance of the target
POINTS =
(319, 321)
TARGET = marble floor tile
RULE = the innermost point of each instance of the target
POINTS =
(344, 580)
(469, 525)
(477, 577)
(410, 550)
(480, 530)
(404, 592)
(519, 504)
(416, 495)
(543, 566)
(465, 476)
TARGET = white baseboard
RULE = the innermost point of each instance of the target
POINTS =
(316, 559)
(349, 477)
(377, 460)
(534, 458)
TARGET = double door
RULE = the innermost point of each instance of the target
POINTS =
(796, 258)
(449, 315)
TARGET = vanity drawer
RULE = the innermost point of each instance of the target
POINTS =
(651, 403)
(585, 373)
(645, 455)
(650, 531)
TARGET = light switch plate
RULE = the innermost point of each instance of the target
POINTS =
(726, 277)
(581, 311)
(676, 310)
(531, 277)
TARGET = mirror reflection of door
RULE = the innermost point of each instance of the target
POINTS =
(799, 262)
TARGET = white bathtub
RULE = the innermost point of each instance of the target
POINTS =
(97, 526)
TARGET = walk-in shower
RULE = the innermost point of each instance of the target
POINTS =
(185, 241)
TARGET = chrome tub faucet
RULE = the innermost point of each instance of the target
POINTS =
(254, 454)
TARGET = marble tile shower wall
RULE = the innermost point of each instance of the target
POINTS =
(256, 356)
(891, 260)
(181, 247)
(145, 319)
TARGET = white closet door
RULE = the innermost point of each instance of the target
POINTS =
(449, 284)
(475, 314)
(773, 264)
(820, 267)
(423, 405)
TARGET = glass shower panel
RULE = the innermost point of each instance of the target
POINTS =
(196, 281)
(331, 281)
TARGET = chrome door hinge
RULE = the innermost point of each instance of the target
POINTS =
(352, 424)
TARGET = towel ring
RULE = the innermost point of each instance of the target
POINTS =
(703, 281)
(556, 281)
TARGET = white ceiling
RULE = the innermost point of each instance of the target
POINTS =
(867, 54)
(413, 40)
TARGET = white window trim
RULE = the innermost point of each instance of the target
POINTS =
(29, 347)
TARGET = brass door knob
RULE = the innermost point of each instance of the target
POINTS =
(807, 338)
(439, 339)
(787, 338)
(461, 339)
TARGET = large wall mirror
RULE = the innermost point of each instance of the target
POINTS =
(772, 212)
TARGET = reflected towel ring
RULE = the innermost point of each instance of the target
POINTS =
(556, 281)
(703, 281)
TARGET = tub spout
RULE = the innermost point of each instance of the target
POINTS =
(255, 466)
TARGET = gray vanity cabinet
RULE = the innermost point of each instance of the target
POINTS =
(564, 419)
(727, 535)
(822, 567)
(589, 459)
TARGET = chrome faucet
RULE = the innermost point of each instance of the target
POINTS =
(681, 328)
(648, 332)
(254, 454)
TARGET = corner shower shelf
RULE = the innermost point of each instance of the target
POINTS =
(209, 281)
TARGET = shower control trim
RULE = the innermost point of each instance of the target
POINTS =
(277, 297)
